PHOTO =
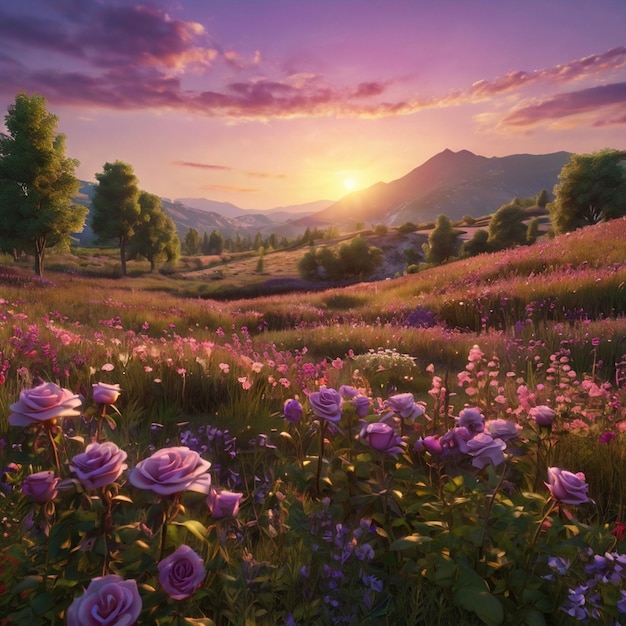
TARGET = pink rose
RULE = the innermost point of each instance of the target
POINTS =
(567, 487)
(172, 470)
(404, 405)
(223, 503)
(326, 404)
(43, 403)
(485, 449)
(40, 487)
(382, 438)
(292, 410)
(99, 465)
(542, 414)
(104, 393)
(181, 573)
(108, 601)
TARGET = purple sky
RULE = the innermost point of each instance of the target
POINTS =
(266, 103)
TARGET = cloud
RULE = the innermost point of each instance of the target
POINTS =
(591, 100)
(203, 166)
(229, 188)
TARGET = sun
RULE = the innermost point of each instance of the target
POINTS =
(349, 184)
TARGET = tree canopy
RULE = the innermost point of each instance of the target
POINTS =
(592, 189)
(37, 182)
(442, 241)
(115, 206)
(155, 236)
(507, 227)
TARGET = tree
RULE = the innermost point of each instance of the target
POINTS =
(205, 245)
(115, 206)
(37, 182)
(532, 232)
(542, 199)
(216, 242)
(592, 189)
(441, 241)
(507, 228)
(191, 245)
(155, 236)
(477, 244)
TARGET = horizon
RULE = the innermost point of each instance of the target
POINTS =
(269, 104)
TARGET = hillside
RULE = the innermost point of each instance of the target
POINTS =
(450, 183)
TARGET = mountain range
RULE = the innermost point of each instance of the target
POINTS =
(456, 184)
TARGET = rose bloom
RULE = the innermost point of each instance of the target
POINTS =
(104, 393)
(172, 470)
(108, 601)
(99, 465)
(502, 429)
(181, 573)
(292, 410)
(361, 405)
(223, 503)
(430, 444)
(43, 403)
(567, 487)
(542, 414)
(473, 420)
(404, 405)
(382, 438)
(40, 486)
(485, 450)
(326, 404)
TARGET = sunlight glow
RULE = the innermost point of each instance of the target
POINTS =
(349, 184)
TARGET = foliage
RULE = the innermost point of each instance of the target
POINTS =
(37, 182)
(507, 228)
(592, 189)
(442, 241)
(478, 244)
(155, 235)
(115, 206)
(191, 243)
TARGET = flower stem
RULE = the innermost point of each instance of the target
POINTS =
(321, 455)
(54, 449)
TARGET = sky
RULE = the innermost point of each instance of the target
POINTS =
(271, 103)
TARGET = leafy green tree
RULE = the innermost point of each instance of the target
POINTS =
(407, 227)
(115, 206)
(37, 182)
(441, 241)
(532, 232)
(592, 189)
(191, 245)
(204, 246)
(155, 236)
(307, 265)
(216, 242)
(381, 229)
(477, 244)
(542, 199)
(507, 228)
(357, 258)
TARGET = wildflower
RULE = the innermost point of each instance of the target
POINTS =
(543, 415)
(567, 487)
(607, 436)
(292, 410)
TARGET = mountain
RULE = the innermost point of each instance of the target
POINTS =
(451, 183)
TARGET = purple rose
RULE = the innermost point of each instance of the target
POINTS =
(542, 414)
(108, 601)
(223, 503)
(502, 429)
(382, 438)
(430, 444)
(455, 440)
(567, 487)
(104, 393)
(43, 403)
(404, 405)
(172, 470)
(348, 391)
(99, 465)
(181, 573)
(40, 486)
(292, 410)
(485, 450)
(473, 420)
(326, 404)
(361, 405)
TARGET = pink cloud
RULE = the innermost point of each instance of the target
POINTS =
(593, 99)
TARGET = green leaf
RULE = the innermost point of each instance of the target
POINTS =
(406, 543)
(487, 607)
(201, 621)
(195, 527)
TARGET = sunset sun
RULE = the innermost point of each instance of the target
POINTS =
(349, 184)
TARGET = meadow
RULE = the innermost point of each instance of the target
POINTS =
(440, 448)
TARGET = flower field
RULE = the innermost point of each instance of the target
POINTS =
(442, 448)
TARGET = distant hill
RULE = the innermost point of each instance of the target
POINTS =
(455, 184)
(450, 183)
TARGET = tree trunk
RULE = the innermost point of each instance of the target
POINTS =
(40, 252)
(123, 254)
